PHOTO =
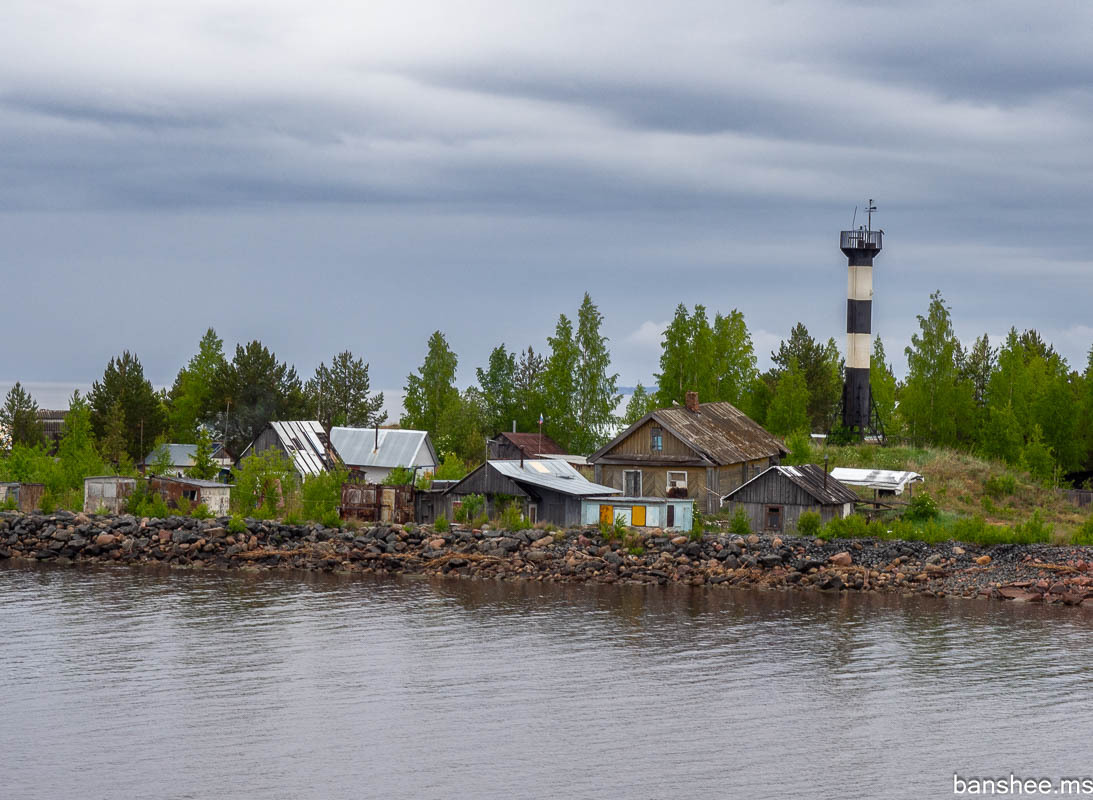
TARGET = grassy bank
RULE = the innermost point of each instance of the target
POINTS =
(977, 501)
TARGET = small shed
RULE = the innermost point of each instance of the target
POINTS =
(776, 498)
(304, 442)
(670, 514)
(374, 502)
(107, 492)
(215, 496)
(24, 496)
(885, 482)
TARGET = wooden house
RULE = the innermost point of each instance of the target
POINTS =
(516, 446)
(775, 499)
(546, 489)
(700, 451)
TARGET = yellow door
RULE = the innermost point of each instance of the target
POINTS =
(607, 515)
(637, 517)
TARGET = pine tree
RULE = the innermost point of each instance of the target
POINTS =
(253, 390)
(821, 366)
(528, 386)
(338, 394)
(597, 393)
(143, 417)
(113, 439)
(19, 419)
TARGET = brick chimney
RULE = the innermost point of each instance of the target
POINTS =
(692, 401)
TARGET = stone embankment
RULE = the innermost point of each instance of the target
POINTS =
(1031, 573)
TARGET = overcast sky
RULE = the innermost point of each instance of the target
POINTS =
(322, 178)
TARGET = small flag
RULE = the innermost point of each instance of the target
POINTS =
(540, 418)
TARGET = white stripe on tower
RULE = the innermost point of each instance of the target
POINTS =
(858, 350)
(859, 283)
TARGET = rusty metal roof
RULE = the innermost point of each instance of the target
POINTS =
(811, 478)
(307, 445)
(719, 432)
(532, 444)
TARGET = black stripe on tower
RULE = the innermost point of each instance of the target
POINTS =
(856, 405)
(858, 316)
(859, 257)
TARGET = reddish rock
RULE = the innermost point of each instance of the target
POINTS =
(544, 542)
(842, 559)
(1016, 593)
(983, 560)
(105, 539)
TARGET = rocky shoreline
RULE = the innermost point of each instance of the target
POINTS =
(1025, 573)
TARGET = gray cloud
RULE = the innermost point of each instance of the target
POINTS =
(322, 179)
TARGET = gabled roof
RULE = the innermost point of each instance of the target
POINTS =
(719, 433)
(810, 478)
(199, 482)
(397, 448)
(307, 445)
(181, 455)
(532, 444)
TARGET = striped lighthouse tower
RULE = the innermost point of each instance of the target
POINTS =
(860, 247)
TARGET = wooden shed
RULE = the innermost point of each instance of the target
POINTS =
(108, 493)
(776, 498)
(547, 490)
(670, 514)
(24, 496)
(215, 496)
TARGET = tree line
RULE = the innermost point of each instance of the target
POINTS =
(1016, 400)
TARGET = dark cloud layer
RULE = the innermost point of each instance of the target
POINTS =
(322, 180)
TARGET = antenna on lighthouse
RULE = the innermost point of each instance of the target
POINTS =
(869, 210)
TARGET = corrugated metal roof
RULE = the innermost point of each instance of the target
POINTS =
(719, 432)
(551, 474)
(182, 455)
(809, 477)
(532, 444)
(204, 484)
(397, 448)
(884, 479)
(307, 445)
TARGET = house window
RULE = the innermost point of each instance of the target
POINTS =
(631, 483)
(657, 443)
(677, 480)
(774, 518)
(533, 514)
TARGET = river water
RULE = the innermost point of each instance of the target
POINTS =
(121, 683)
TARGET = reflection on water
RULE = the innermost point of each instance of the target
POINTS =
(118, 683)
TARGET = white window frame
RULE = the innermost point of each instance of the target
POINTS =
(626, 472)
(668, 479)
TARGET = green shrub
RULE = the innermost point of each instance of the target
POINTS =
(470, 508)
(399, 476)
(264, 483)
(1033, 530)
(512, 518)
(236, 524)
(480, 521)
(999, 486)
(921, 508)
(1083, 534)
(48, 503)
(330, 519)
(201, 511)
(8, 505)
(184, 506)
(740, 524)
(321, 495)
(809, 523)
(441, 525)
(799, 444)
